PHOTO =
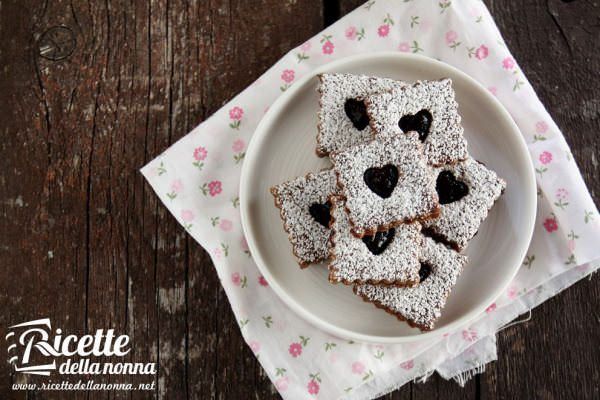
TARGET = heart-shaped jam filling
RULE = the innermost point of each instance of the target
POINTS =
(321, 213)
(424, 272)
(450, 189)
(382, 181)
(379, 242)
(356, 110)
(420, 122)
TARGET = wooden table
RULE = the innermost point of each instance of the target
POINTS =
(85, 242)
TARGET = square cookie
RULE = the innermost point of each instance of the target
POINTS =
(343, 119)
(387, 258)
(422, 305)
(427, 107)
(305, 211)
(467, 191)
(386, 182)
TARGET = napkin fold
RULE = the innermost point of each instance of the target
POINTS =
(197, 179)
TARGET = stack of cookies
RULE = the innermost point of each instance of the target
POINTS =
(402, 200)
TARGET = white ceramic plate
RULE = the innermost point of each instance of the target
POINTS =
(283, 147)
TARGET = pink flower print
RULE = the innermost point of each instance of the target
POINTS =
(217, 253)
(491, 308)
(512, 292)
(541, 127)
(482, 52)
(295, 349)
(200, 153)
(546, 157)
(176, 186)
(583, 267)
(236, 113)
(313, 387)
(288, 75)
(493, 90)
(282, 384)
(328, 47)
(571, 245)
(238, 145)
(254, 346)
(550, 224)
(470, 335)
(426, 26)
(451, 37)
(474, 12)
(562, 194)
(187, 215)
(214, 188)
(262, 281)
(244, 244)
(301, 55)
(333, 357)
(358, 367)
(508, 63)
(153, 171)
(350, 33)
(226, 225)
(404, 47)
(383, 30)
(236, 279)
(407, 365)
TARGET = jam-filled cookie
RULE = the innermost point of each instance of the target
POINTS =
(305, 211)
(466, 191)
(343, 119)
(388, 258)
(427, 107)
(386, 183)
(420, 306)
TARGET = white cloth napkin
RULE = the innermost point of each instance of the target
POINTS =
(198, 178)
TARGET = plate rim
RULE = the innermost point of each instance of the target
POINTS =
(246, 172)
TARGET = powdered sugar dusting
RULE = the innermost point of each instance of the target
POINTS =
(309, 239)
(336, 131)
(459, 221)
(421, 306)
(414, 196)
(445, 142)
(353, 262)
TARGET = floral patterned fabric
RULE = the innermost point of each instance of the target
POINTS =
(198, 179)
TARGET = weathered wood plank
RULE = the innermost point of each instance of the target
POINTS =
(555, 354)
(252, 40)
(141, 76)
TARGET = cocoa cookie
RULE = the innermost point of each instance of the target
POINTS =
(466, 191)
(388, 258)
(343, 119)
(386, 183)
(305, 211)
(420, 306)
(427, 107)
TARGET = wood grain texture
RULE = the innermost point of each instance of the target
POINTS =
(85, 242)
(556, 44)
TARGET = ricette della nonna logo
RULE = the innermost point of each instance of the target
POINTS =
(98, 353)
